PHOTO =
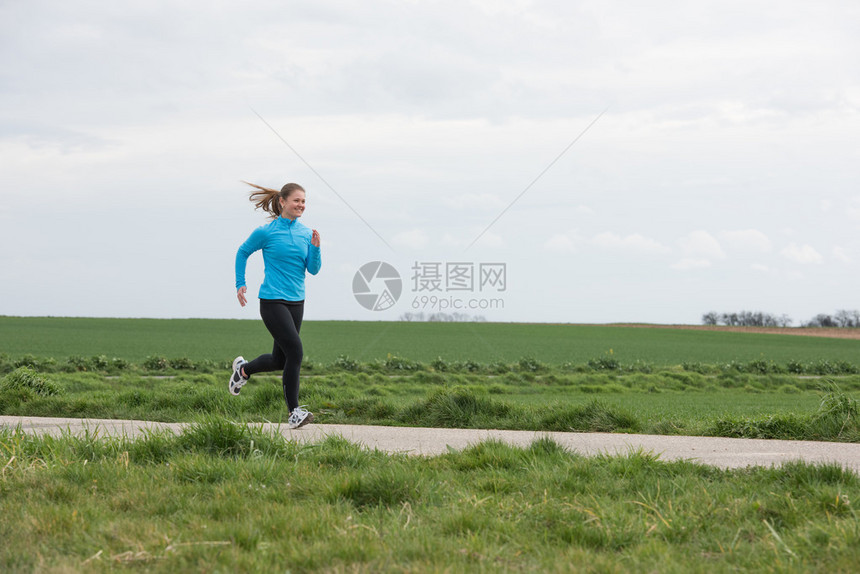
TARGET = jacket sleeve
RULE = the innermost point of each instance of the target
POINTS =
(314, 260)
(252, 244)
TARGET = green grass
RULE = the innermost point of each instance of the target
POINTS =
(325, 341)
(663, 402)
(223, 497)
(701, 393)
(220, 497)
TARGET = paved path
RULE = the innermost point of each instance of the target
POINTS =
(720, 452)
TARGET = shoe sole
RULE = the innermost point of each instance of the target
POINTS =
(234, 388)
(236, 363)
(308, 419)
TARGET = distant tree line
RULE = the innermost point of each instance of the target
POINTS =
(746, 319)
(841, 319)
(443, 318)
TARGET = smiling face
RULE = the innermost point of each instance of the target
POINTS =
(294, 205)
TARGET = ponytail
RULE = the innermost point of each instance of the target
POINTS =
(268, 199)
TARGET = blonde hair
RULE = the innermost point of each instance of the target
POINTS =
(267, 199)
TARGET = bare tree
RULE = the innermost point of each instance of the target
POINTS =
(746, 319)
(441, 317)
(729, 319)
(821, 320)
(847, 319)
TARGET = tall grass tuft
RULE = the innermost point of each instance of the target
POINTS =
(546, 447)
(490, 454)
(594, 416)
(799, 474)
(337, 452)
(27, 379)
(220, 437)
(154, 447)
(457, 407)
(836, 419)
(389, 485)
(787, 427)
(837, 416)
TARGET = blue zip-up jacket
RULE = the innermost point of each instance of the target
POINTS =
(287, 253)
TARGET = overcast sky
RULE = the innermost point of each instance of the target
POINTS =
(723, 173)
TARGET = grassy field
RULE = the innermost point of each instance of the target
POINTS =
(225, 497)
(220, 497)
(663, 402)
(532, 385)
(324, 341)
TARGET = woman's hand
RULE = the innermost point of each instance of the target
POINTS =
(315, 238)
(241, 295)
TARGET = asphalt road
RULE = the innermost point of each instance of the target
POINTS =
(719, 452)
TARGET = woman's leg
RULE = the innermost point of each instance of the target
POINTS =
(283, 322)
(273, 361)
(293, 366)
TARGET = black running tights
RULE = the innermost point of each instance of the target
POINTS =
(283, 320)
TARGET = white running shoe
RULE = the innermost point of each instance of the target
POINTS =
(300, 417)
(237, 381)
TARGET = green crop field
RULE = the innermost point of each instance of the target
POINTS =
(224, 497)
(324, 341)
(535, 377)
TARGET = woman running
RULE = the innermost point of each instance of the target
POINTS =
(289, 249)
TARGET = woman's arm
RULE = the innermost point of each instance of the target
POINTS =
(314, 262)
(252, 244)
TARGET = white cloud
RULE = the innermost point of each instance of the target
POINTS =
(747, 240)
(702, 244)
(690, 263)
(634, 242)
(462, 240)
(560, 243)
(853, 210)
(490, 239)
(472, 201)
(841, 254)
(413, 239)
(449, 240)
(760, 267)
(803, 254)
